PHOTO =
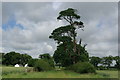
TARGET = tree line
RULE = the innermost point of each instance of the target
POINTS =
(13, 58)
(105, 62)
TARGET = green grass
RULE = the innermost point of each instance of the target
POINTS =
(12, 72)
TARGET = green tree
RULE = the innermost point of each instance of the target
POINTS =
(107, 61)
(46, 57)
(31, 62)
(41, 65)
(68, 51)
(25, 58)
(95, 61)
(12, 58)
(117, 59)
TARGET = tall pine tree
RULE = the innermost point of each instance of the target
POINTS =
(68, 51)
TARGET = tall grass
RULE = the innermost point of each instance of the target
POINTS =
(20, 72)
(13, 70)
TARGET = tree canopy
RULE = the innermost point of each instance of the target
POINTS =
(68, 51)
(13, 58)
(95, 61)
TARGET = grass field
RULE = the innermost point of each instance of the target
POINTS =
(12, 72)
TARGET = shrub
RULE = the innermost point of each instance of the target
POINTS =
(82, 67)
(42, 65)
(51, 62)
(31, 62)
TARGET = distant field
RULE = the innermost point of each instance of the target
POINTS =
(12, 72)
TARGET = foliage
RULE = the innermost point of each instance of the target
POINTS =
(117, 59)
(95, 61)
(66, 57)
(31, 62)
(47, 58)
(102, 67)
(25, 58)
(68, 51)
(107, 61)
(13, 72)
(51, 62)
(13, 58)
(82, 67)
(41, 65)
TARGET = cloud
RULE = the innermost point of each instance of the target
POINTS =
(61, 1)
(0, 26)
(39, 20)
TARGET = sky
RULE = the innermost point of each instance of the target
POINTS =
(26, 26)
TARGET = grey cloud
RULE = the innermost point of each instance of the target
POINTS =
(92, 10)
(33, 11)
(39, 20)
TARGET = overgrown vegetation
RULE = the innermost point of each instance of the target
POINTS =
(82, 67)
(12, 72)
(42, 65)
(31, 62)
(105, 62)
(46, 57)
(13, 58)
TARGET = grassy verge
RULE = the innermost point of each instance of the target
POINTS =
(12, 72)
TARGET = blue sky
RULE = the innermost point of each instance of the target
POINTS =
(11, 23)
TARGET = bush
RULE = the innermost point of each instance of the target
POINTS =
(82, 67)
(31, 62)
(42, 65)
(51, 62)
